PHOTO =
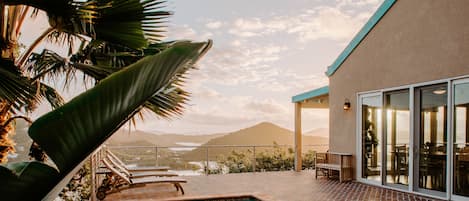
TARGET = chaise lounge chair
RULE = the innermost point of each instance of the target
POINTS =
(137, 174)
(117, 181)
(135, 169)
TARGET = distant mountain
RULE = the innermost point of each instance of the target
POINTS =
(141, 138)
(264, 133)
(323, 132)
(261, 134)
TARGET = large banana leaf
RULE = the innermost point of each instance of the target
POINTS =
(72, 132)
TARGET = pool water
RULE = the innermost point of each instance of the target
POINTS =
(229, 199)
(223, 198)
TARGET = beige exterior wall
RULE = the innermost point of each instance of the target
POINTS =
(416, 41)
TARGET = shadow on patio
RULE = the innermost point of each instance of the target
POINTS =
(286, 185)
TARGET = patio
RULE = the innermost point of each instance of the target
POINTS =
(287, 185)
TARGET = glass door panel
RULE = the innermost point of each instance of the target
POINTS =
(397, 131)
(461, 140)
(432, 137)
(370, 137)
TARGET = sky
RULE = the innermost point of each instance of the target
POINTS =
(264, 52)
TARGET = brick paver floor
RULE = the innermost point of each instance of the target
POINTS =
(279, 186)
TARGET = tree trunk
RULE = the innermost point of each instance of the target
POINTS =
(6, 132)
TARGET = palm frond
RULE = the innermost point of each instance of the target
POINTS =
(169, 103)
(46, 63)
(132, 23)
(14, 87)
(111, 58)
(49, 64)
(51, 95)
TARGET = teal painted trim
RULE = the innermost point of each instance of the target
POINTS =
(387, 4)
(310, 94)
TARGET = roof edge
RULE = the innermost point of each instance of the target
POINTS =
(310, 94)
(375, 18)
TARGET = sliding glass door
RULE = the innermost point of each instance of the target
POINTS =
(461, 138)
(397, 136)
(404, 142)
(370, 136)
(431, 138)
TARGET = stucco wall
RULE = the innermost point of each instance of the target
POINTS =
(416, 41)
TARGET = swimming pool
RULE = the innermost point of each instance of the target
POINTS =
(223, 198)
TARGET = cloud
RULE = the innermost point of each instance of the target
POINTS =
(357, 3)
(252, 24)
(249, 75)
(203, 92)
(328, 23)
(244, 64)
(178, 32)
(236, 43)
(324, 22)
(245, 34)
(268, 106)
(214, 25)
(215, 118)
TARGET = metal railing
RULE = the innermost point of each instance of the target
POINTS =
(212, 159)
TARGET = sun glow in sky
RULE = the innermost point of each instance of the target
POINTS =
(264, 52)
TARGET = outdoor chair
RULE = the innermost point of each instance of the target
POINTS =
(462, 173)
(134, 169)
(137, 174)
(118, 181)
(327, 163)
(401, 161)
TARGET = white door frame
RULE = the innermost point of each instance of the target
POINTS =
(360, 96)
(451, 82)
(450, 180)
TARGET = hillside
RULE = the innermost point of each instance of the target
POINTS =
(141, 138)
(322, 132)
(261, 134)
(264, 134)
(23, 142)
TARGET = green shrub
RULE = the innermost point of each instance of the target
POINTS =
(279, 159)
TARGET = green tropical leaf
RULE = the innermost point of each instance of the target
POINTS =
(51, 95)
(68, 136)
(48, 63)
(35, 177)
(15, 89)
(168, 103)
(132, 23)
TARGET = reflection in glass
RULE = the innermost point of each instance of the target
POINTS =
(432, 140)
(397, 136)
(461, 140)
(371, 134)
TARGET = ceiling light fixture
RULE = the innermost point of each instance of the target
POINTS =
(440, 91)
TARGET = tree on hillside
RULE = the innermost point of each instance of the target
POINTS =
(111, 34)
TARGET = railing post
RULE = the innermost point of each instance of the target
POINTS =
(93, 177)
(206, 157)
(254, 159)
(156, 156)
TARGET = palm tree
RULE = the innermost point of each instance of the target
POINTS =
(70, 133)
(112, 34)
(120, 48)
